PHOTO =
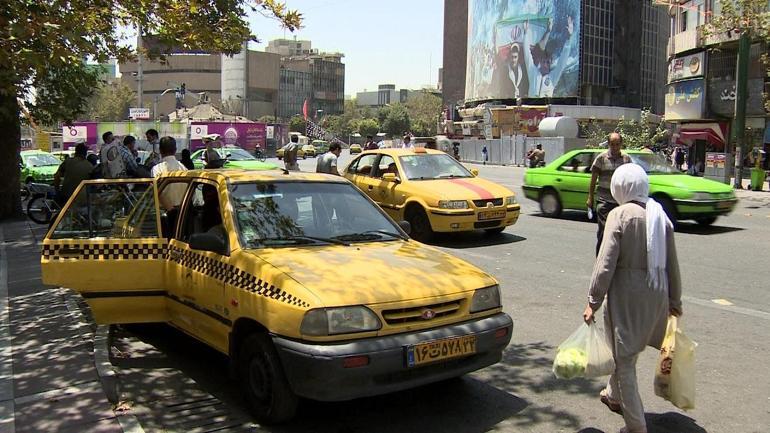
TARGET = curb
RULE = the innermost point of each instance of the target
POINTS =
(108, 377)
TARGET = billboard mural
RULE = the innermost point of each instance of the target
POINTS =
(245, 135)
(522, 49)
(685, 100)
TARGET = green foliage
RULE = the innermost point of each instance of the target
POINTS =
(636, 133)
(395, 120)
(366, 127)
(268, 119)
(337, 125)
(110, 102)
(424, 111)
(298, 124)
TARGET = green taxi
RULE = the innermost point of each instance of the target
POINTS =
(564, 183)
(236, 158)
(38, 166)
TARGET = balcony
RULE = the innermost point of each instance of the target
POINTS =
(683, 41)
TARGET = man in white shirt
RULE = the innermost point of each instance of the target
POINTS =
(327, 163)
(171, 196)
(153, 140)
(407, 144)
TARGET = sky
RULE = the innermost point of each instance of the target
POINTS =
(384, 42)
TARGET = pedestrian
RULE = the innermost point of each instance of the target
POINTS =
(152, 146)
(484, 155)
(211, 155)
(171, 196)
(290, 151)
(602, 169)
(639, 237)
(536, 156)
(370, 144)
(118, 160)
(679, 157)
(407, 143)
(327, 163)
(186, 160)
(71, 172)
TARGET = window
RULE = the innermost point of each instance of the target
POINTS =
(117, 210)
(386, 165)
(683, 22)
(202, 214)
(580, 163)
(363, 165)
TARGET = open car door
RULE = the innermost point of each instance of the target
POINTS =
(106, 244)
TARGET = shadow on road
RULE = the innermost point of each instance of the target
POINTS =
(692, 228)
(474, 239)
(569, 215)
(669, 422)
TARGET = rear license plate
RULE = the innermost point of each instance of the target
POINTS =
(440, 350)
(724, 205)
(491, 215)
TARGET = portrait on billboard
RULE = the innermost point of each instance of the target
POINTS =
(523, 49)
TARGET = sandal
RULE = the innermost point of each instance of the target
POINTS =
(612, 405)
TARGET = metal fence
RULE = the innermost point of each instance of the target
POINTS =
(512, 150)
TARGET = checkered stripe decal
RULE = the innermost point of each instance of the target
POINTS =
(111, 251)
(229, 274)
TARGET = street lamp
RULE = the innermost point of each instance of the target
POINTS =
(155, 102)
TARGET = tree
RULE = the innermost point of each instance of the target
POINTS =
(298, 124)
(424, 111)
(338, 126)
(395, 120)
(366, 127)
(110, 102)
(636, 133)
(43, 44)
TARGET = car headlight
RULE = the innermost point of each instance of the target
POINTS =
(339, 320)
(453, 204)
(486, 299)
(701, 196)
(510, 200)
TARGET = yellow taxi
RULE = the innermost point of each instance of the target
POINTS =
(355, 148)
(432, 191)
(308, 286)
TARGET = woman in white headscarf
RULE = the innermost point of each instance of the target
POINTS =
(638, 272)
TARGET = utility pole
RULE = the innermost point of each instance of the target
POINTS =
(739, 123)
(140, 67)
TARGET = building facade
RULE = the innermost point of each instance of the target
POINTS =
(385, 94)
(248, 81)
(620, 54)
(701, 85)
(327, 74)
(295, 88)
(290, 47)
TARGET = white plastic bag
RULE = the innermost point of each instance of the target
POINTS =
(675, 370)
(585, 353)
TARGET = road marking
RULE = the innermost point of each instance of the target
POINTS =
(722, 302)
(730, 308)
(7, 407)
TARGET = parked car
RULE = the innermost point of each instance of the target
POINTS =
(355, 149)
(38, 166)
(564, 183)
(308, 150)
(432, 191)
(300, 153)
(236, 158)
(248, 265)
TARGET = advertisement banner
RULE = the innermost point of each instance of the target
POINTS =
(691, 66)
(529, 120)
(522, 49)
(86, 131)
(685, 100)
(246, 135)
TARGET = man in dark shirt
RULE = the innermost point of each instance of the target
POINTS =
(73, 171)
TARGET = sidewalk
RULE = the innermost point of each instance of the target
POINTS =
(48, 378)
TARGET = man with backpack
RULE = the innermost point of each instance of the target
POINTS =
(117, 159)
(290, 154)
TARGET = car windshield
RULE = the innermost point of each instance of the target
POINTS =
(306, 213)
(654, 164)
(237, 154)
(40, 160)
(432, 166)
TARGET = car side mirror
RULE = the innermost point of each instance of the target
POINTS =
(405, 226)
(475, 172)
(209, 242)
(390, 177)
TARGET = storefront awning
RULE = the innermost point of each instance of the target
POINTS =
(714, 133)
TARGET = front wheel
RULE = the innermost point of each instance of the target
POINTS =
(263, 382)
(550, 205)
(705, 221)
(669, 208)
(421, 229)
(38, 210)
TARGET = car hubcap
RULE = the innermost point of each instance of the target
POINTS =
(549, 204)
(259, 381)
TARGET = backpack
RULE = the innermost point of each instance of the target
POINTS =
(113, 166)
(290, 154)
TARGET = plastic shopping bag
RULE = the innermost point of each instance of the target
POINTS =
(675, 371)
(585, 353)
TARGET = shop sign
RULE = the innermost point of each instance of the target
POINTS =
(722, 97)
(686, 67)
(685, 100)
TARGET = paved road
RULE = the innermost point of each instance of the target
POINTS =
(544, 267)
